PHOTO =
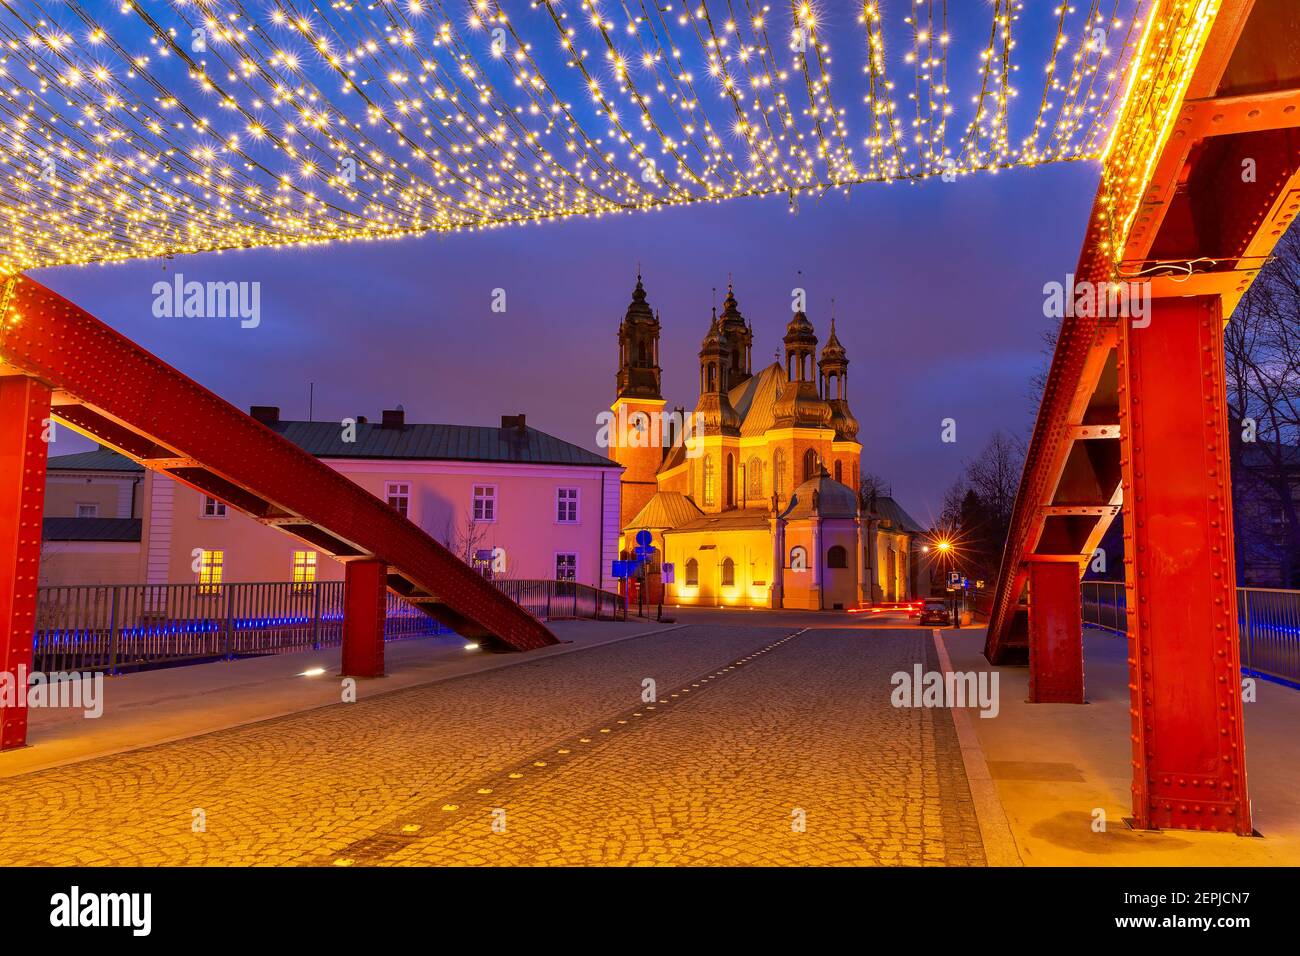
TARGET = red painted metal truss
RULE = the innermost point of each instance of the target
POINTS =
(1134, 418)
(106, 387)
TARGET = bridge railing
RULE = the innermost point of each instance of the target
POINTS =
(120, 627)
(554, 600)
(1268, 619)
(135, 626)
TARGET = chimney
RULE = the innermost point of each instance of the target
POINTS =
(362, 420)
(516, 422)
(394, 418)
(266, 414)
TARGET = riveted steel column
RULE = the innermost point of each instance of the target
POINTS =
(1189, 761)
(365, 594)
(24, 416)
(1055, 633)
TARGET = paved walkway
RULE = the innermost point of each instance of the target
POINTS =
(765, 745)
(1055, 765)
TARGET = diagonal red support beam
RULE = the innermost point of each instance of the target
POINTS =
(121, 390)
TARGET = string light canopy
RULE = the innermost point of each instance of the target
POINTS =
(131, 129)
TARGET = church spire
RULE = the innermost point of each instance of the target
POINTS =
(834, 369)
(638, 348)
(738, 338)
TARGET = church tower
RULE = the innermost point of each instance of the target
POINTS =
(846, 452)
(737, 339)
(713, 479)
(638, 402)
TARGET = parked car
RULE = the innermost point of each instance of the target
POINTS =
(935, 611)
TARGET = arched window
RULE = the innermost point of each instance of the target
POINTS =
(809, 464)
(839, 471)
(729, 493)
(692, 573)
(728, 573)
(710, 478)
(837, 557)
(778, 473)
(643, 354)
(798, 558)
(754, 475)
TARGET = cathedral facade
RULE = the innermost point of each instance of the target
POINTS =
(757, 505)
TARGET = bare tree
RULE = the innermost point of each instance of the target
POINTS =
(1262, 350)
(464, 539)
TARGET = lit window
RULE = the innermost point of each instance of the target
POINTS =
(728, 573)
(566, 567)
(304, 568)
(709, 479)
(211, 565)
(566, 505)
(778, 473)
(398, 494)
(212, 508)
(87, 511)
(692, 573)
(485, 503)
(754, 473)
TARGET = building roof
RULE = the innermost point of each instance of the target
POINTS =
(91, 529)
(667, 509)
(755, 400)
(834, 499)
(438, 443)
(887, 509)
(738, 519)
(101, 459)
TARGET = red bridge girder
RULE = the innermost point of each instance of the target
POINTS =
(1134, 416)
(108, 388)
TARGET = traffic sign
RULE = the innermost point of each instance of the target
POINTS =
(954, 579)
(668, 573)
(644, 538)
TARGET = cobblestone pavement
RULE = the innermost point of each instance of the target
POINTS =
(765, 746)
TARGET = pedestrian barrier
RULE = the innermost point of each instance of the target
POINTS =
(1269, 622)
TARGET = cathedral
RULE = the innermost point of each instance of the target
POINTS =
(755, 504)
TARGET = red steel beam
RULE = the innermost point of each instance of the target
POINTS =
(365, 594)
(1055, 633)
(148, 410)
(24, 415)
(1214, 107)
(1189, 768)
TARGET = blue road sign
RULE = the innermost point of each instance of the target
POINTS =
(644, 538)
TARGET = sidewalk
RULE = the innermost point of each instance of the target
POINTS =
(1053, 764)
(153, 707)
